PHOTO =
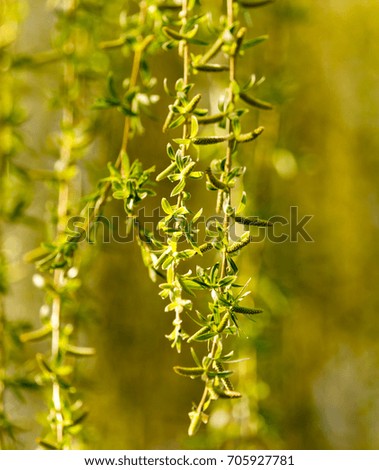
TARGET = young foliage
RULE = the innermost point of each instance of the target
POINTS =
(181, 243)
(203, 47)
(55, 260)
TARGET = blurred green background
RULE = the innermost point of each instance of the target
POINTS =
(311, 381)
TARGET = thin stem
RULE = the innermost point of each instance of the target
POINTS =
(204, 397)
(231, 142)
(134, 78)
(186, 69)
(186, 58)
(186, 64)
(223, 195)
(91, 215)
(65, 157)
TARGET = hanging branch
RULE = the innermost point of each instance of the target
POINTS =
(155, 25)
(221, 278)
(55, 260)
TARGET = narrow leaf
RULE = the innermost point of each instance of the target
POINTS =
(254, 42)
(211, 68)
(214, 181)
(211, 119)
(242, 204)
(125, 162)
(47, 444)
(80, 351)
(196, 335)
(166, 206)
(178, 188)
(195, 358)
(194, 127)
(176, 122)
(196, 421)
(257, 103)
(172, 34)
(37, 254)
(167, 171)
(36, 335)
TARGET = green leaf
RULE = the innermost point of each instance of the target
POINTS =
(178, 188)
(242, 204)
(194, 127)
(125, 162)
(257, 103)
(196, 175)
(44, 366)
(176, 122)
(182, 141)
(254, 42)
(79, 351)
(105, 103)
(37, 254)
(185, 254)
(162, 257)
(211, 67)
(211, 119)
(177, 36)
(120, 194)
(232, 265)
(201, 332)
(48, 445)
(195, 358)
(213, 181)
(235, 87)
(170, 151)
(111, 87)
(166, 206)
(187, 169)
(220, 374)
(196, 217)
(36, 335)
(195, 424)
(113, 171)
(200, 111)
(227, 281)
(166, 172)
(204, 336)
(236, 125)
